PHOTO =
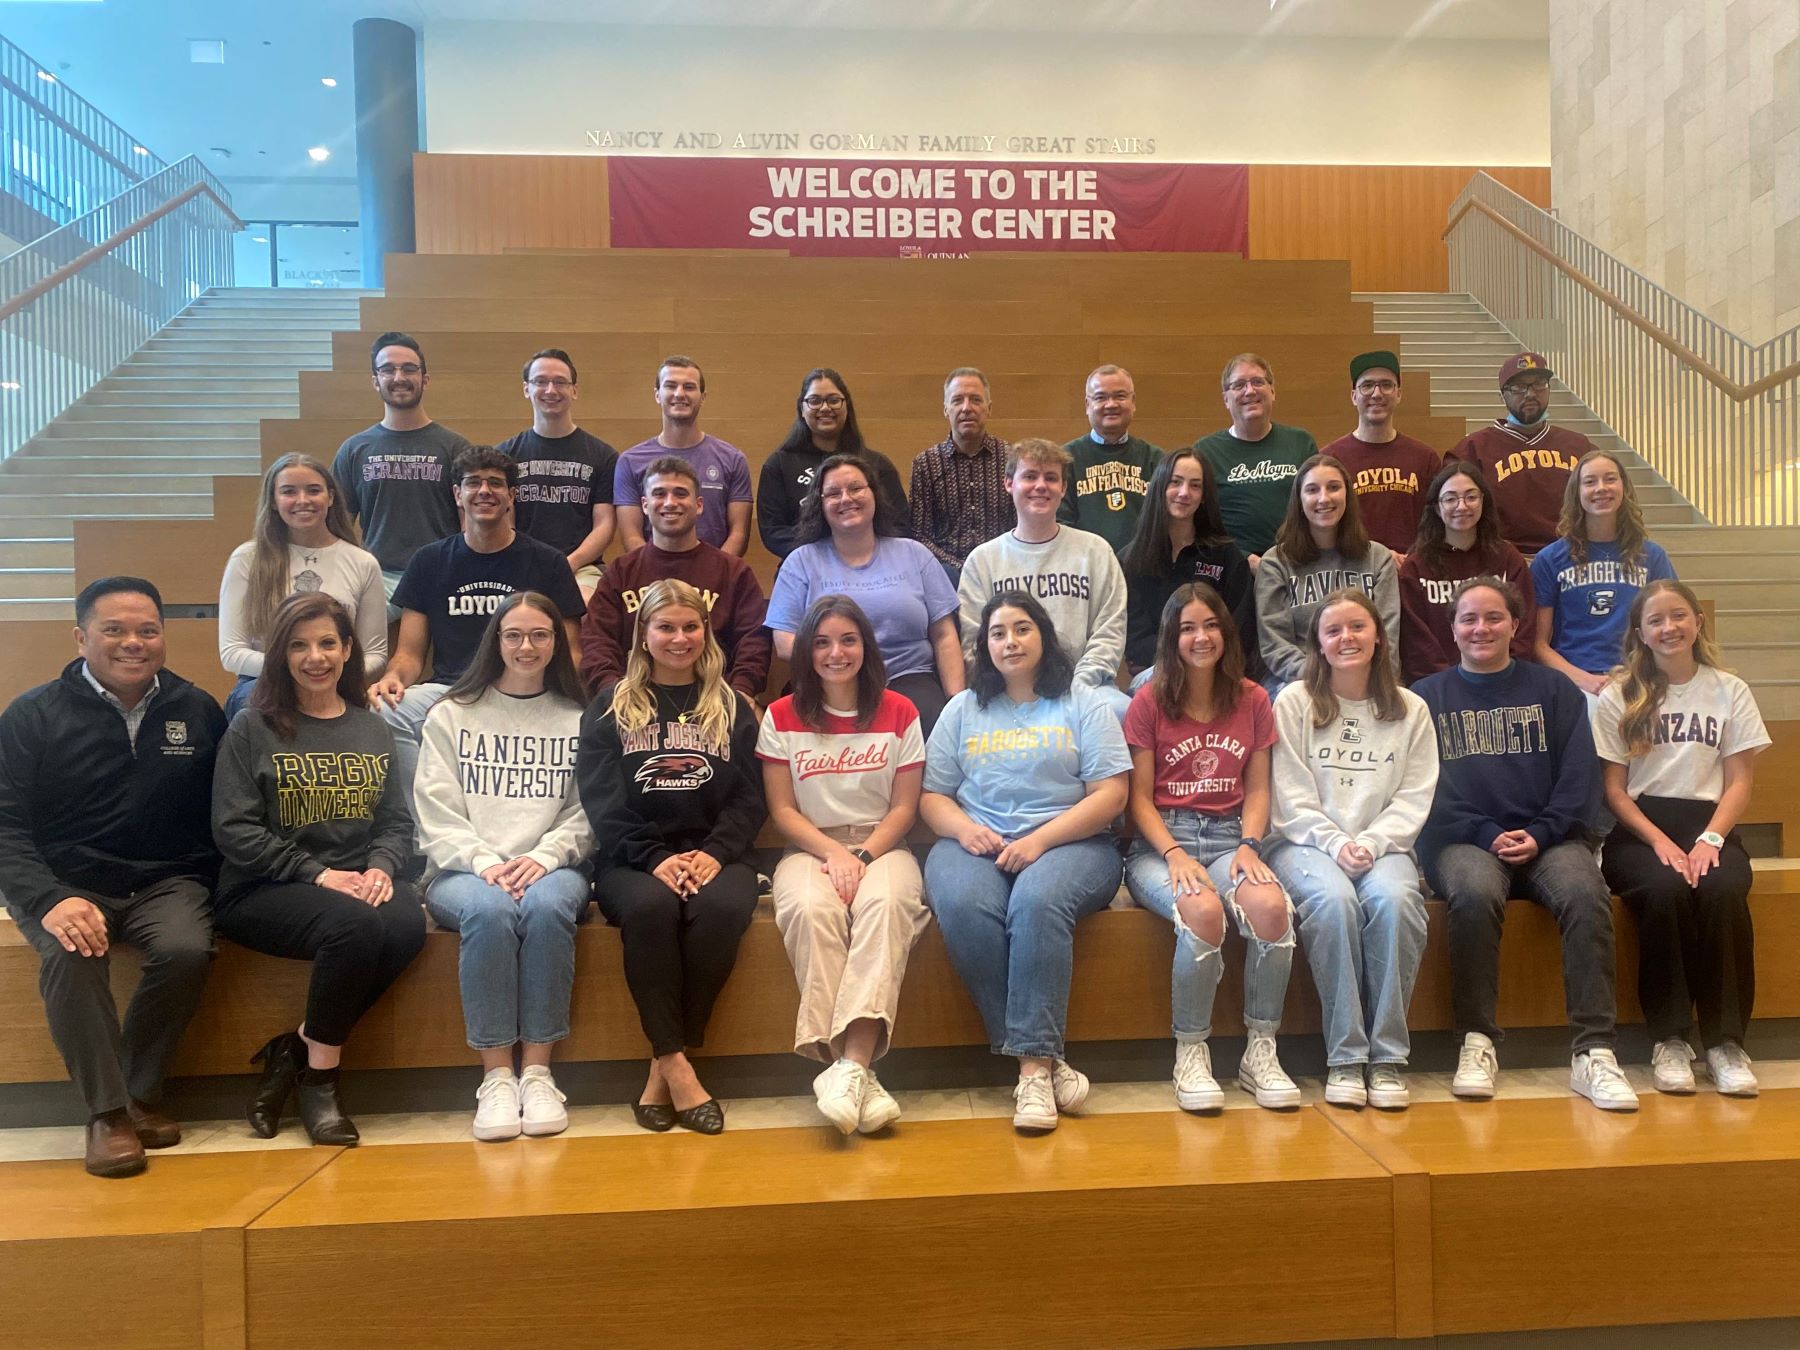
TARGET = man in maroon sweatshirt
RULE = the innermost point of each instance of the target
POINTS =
(1528, 461)
(735, 599)
(1389, 470)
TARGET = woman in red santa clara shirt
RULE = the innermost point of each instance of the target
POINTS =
(843, 759)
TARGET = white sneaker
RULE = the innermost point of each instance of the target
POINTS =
(1069, 1084)
(1729, 1068)
(1344, 1086)
(1672, 1066)
(839, 1090)
(879, 1109)
(1387, 1088)
(1034, 1103)
(1476, 1068)
(1596, 1075)
(1195, 1087)
(497, 1106)
(1260, 1072)
(541, 1109)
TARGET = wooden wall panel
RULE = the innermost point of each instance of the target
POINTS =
(1387, 220)
(492, 203)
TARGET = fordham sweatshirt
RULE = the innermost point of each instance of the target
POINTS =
(1289, 597)
(1356, 780)
(1074, 576)
(496, 781)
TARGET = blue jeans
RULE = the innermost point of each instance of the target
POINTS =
(1011, 936)
(406, 719)
(1364, 940)
(1194, 981)
(517, 961)
(239, 697)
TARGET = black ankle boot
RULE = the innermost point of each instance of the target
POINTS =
(321, 1112)
(281, 1059)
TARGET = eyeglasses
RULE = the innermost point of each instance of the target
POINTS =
(388, 372)
(1254, 382)
(476, 484)
(543, 382)
(1115, 396)
(1469, 498)
(521, 637)
(1377, 387)
(817, 401)
(838, 494)
(1536, 385)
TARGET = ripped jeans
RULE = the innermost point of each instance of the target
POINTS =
(1211, 840)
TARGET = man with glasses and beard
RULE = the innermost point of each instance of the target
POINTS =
(395, 475)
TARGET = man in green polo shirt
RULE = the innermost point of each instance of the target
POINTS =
(1255, 458)
(1112, 467)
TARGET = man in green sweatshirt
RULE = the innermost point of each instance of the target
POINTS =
(1107, 480)
(1255, 457)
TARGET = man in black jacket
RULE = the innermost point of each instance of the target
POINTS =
(105, 834)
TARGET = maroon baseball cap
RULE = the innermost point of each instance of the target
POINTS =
(1518, 365)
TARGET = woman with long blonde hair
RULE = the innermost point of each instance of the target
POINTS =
(304, 541)
(1676, 735)
(668, 775)
(1586, 579)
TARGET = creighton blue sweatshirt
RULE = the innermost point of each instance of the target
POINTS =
(1514, 752)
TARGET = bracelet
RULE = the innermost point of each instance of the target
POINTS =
(1170, 849)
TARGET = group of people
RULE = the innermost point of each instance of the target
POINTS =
(1075, 665)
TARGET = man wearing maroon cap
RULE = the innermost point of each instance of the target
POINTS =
(1528, 461)
(1389, 472)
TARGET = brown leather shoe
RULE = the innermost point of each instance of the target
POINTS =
(113, 1149)
(154, 1129)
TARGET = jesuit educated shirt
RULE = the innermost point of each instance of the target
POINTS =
(1427, 644)
(397, 484)
(1389, 480)
(561, 480)
(1590, 602)
(724, 476)
(1700, 724)
(1199, 766)
(1107, 484)
(458, 590)
(1528, 468)
(1015, 766)
(902, 590)
(1077, 580)
(1254, 479)
(843, 776)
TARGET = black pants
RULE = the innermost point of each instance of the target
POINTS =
(1695, 944)
(925, 693)
(678, 953)
(356, 950)
(170, 924)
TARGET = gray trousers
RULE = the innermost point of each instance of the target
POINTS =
(170, 923)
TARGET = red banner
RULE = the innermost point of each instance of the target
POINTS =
(927, 208)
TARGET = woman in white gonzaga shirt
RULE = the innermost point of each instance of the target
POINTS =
(1676, 736)
(843, 758)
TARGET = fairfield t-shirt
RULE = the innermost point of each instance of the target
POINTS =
(723, 472)
(458, 590)
(1199, 766)
(843, 775)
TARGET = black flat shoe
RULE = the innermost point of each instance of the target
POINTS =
(706, 1118)
(321, 1112)
(657, 1116)
(281, 1059)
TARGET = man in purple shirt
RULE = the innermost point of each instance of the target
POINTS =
(723, 471)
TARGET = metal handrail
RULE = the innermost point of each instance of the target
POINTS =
(1718, 417)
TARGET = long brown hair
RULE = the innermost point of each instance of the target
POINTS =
(1384, 685)
(487, 665)
(1294, 540)
(1572, 525)
(1432, 541)
(1642, 684)
(1169, 684)
(809, 689)
(634, 706)
(270, 580)
(275, 696)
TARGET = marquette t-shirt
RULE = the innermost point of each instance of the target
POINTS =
(458, 590)
(1700, 724)
(843, 775)
(561, 480)
(1015, 766)
(1590, 602)
(902, 590)
(724, 476)
(1200, 765)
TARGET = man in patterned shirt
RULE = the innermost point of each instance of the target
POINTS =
(959, 496)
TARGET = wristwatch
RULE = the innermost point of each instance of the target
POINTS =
(1254, 845)
(862, 855)
(1712, 837)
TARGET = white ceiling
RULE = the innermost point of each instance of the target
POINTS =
(265, 106)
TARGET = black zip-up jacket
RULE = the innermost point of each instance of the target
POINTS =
(82, 813)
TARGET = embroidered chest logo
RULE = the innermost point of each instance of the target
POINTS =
(175, 733)
(1352, 733)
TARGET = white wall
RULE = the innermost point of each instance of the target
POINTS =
(511, 88)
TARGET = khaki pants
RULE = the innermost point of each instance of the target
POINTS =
(848, 960)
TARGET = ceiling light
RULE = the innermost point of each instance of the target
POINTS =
(318, 154)
(9, 384)
(139, 150)
(259, 239)
(46, 77)
(328, 82)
